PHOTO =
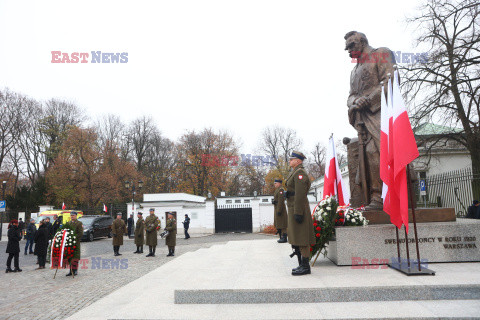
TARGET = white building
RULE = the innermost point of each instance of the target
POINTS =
(316, 189)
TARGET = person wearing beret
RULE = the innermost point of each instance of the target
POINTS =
(77, 227)
(139, 233)
(151, 224)
(300, 223)
(118, 230)
(280, 218)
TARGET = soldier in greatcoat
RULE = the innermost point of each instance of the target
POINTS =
(139, 233)
(77, 227)
(280, 218)
(151, 224)
(171, 238)
(118, 230)
(300, 222)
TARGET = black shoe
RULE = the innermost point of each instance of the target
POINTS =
(116, 254)
(303, 269)
(9, 270)
(25, 252)
(283, 239)
(17, 270)
(119, 254)
(31, 252)
(149, 255)
(69, 274)
(141, 249)
(74, 272)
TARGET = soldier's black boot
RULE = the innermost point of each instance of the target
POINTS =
(138, 250)
(169, 252)
(118, 251)
(297, 253)
(303, 269)
(74, 272)
(141, 249)
(149, 249)
(115, 251)
(283, 238)
(173, 251)
(153, 251)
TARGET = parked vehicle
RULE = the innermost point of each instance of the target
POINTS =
(96, 227)
(64, 214)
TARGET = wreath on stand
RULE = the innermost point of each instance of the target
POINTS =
(326, 216)
(64, 245)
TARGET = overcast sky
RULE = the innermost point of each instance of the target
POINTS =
(238, 65)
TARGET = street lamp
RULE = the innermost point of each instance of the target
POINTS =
(4, 185)
(255, 194)
(131, 184)
(209, 195)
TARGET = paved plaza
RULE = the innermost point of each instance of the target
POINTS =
(34, 294)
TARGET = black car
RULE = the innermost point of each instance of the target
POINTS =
(96, 227)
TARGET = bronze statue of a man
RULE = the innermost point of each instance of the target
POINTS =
(372, 66)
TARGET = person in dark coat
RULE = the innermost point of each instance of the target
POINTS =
(31, 229)
(21, 227)
(474, 210)
(186, 225)
(13, 247)
(130, 223)
(49, 227)
(118, 230)
(56, 224)
(41, 243)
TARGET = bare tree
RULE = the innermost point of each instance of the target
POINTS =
(316, 164)
(445, 89)
(11, 117)
(59, 117)
(140, 132)
(110, 131)
(279, 143)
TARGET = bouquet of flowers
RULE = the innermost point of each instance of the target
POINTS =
(351, 217)
(64, 244)
(327, 215)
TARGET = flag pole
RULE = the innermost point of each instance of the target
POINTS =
(413, 215)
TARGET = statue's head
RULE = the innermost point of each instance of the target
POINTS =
(355, 43)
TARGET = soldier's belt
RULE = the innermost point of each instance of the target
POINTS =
(289, 194)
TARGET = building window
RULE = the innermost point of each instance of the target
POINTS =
(238, 201)
(246, 201)
(228, 201)
(265, 200)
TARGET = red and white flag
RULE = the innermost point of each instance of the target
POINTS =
(104, 208)
(384, 129)
(404, 149)
(64, 206)
(333, 184)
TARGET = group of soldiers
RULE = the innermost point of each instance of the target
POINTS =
(146, 232)
(296, 215)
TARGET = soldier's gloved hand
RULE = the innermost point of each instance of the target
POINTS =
(298, 218)
(279, 213)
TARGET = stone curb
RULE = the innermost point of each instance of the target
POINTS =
(390, 293)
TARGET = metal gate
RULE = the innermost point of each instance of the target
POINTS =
(233, 219)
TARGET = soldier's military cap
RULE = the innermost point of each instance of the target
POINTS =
(73, 213)
(140, 213)
(278, 180)
(152, 209)
(297, 155)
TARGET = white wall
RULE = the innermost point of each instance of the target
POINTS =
(441, 163)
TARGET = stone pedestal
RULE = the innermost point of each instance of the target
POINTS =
(421, 214)
(456, 241)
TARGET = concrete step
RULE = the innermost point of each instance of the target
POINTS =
(342, 294)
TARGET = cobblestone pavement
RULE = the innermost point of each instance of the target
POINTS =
(34, 294)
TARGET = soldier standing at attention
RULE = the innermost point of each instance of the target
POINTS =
(77, 227)
(139, 232)
(280, 219)
(171, 239)
(300, 223)
(118, 229)
(151, 224)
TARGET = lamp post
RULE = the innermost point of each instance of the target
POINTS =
(4, 185)
(255, 194)
(131, 184)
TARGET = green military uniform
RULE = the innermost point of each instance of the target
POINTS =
(118, 230)
(300, 222)
(171, 239)
(77, 227)
(151, 224)
(280, 218)
(139, 234)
